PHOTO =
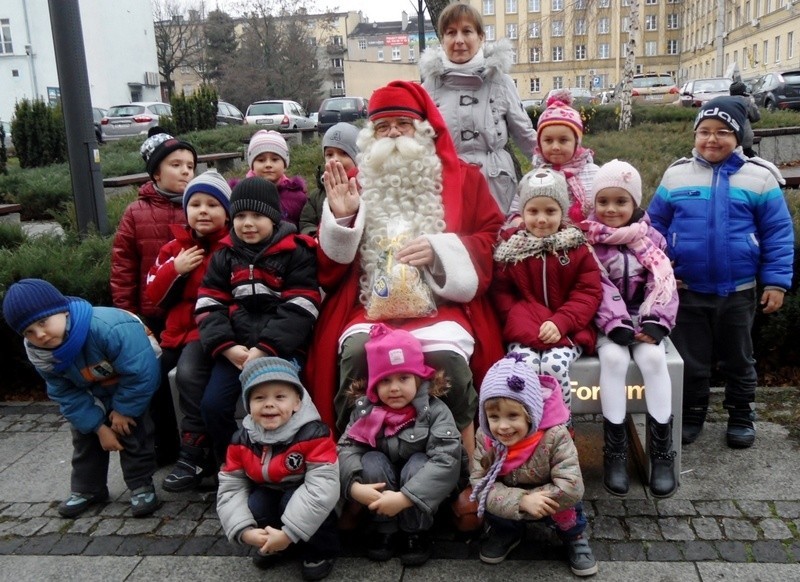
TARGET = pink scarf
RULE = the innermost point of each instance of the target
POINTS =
(647, 253)
(389, 421)
(571, 170)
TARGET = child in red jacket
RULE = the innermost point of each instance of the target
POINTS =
(546, 283)
(172, 284)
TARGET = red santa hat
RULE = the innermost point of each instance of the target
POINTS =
(406, 99)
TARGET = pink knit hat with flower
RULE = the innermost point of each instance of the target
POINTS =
(393, 351)
(267, 141)
(618, 174)
(560, 112)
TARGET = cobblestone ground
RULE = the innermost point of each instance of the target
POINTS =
(726, 530)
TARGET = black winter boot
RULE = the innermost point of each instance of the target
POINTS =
(615, 458)
(662, 458)
(693, 419)
(192, 465)
(741, 433)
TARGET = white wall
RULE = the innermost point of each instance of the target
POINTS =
(119, 43)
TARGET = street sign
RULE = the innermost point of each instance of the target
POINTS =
(596, 82)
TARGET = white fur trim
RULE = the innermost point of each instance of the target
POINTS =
(460, 277)
(339, 242)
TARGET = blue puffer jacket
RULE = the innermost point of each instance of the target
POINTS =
(727, 225)
(116, 369)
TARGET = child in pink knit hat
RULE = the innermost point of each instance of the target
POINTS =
(400, 455)
(268, 158)
(559, 133)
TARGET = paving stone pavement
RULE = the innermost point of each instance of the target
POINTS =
(735, 516)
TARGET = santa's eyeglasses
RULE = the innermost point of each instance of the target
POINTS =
(403, 125)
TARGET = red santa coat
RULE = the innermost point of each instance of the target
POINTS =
(563, 288)
(473, 221)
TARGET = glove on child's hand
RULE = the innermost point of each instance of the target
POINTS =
(654, 330)
(621, 335)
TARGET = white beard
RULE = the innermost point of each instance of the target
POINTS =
(401, 181)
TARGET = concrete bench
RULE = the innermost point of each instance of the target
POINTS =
(792, 176)
(585, 379)
(223, 161)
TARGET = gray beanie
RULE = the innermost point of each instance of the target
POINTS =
(544, 182)
(342, 136)
(268, 369)
(212, 183)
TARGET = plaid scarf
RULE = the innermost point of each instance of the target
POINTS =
(571, 170)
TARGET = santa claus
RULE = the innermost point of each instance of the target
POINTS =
(409, 175)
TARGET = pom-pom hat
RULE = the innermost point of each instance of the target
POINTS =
(268, 369)
(256, 195)
(158, 145)
(30, 300)
(558, 111)
(512, 378)
(211, 183)
(393, 351)
(618, 174)
(343, 136)
(729, 110)
(544, 183)
(264, 141)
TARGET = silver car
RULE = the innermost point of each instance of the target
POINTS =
(278, 114)
(132, 119)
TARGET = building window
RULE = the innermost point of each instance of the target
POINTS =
(580, 26)
(535, 54)
(777, 49)
(603, 51)
(626, 24)
(534, 6)
(511, 6)
(380, 54)
(557, 28)
(557, 5)
(765, 52)
(362, 44)
(651, 2)
(790, 45)
(6, 48)
(558, 53)
(603, 26)
(338, 84)
(558, 82)
(580, 81)
(579, 4)
(514, 57)
(536, 85)
(488, 7)
(650, 48)
(511, 31)
(672, 47)
(603, 3)
(396, 53)
(412, 54)
(673, 21)
(651, 22)
(580, 52)
(489, 30)
(337, 40)
(746, 12)
(534, 30)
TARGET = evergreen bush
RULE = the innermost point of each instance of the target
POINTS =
(38, 134)
(3, 152)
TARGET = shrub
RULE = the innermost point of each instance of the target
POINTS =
(196, 112)
(38, 133)
(3, 152)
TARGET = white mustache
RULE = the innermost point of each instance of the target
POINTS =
(407, 148)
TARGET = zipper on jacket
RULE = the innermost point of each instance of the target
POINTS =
(252, 282)
(544, 281)
(625, 275)
(712, 225)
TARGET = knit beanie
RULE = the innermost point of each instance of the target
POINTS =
(392, 351)
(618, 174)
(560, 112)
(342, 136)
(257, 195)
(30, 300)
(738, 88)
(512, 378)
(268, 369)
(544, 183)
(267, 141)
(212, 183)
(728, 110)
(158, 145)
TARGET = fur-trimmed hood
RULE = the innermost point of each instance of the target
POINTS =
(498, 57)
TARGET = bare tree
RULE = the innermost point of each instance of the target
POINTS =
(626, 110)
(435, 8)
(179, 38)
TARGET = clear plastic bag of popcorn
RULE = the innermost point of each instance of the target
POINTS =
(398, 290)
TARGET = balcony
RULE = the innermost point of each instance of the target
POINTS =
(335, 48)
(337, 92)
(336, 71)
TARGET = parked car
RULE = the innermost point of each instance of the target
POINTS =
(278, 114)
(336, 109)
(314, 116)
(580, 96)
(528, 103)
(778, 90)
(696, 92)
(132, 119)
(98, 114)
(654, 88)
(228, 114)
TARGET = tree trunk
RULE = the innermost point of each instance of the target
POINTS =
(626, 108)
(435, 8)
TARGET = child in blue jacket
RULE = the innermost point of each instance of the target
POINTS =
(728, 230)
(101, 367)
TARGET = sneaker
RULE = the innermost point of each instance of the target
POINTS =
(316, 570)
(144, 501)
(498, 545)
(741, 433)
(380, 546)
(184, 475)
(580, 556)
(77, 503)
(417, 549)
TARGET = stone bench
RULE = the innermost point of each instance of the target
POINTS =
(10, 213)
(223, 161)
(585, 379)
